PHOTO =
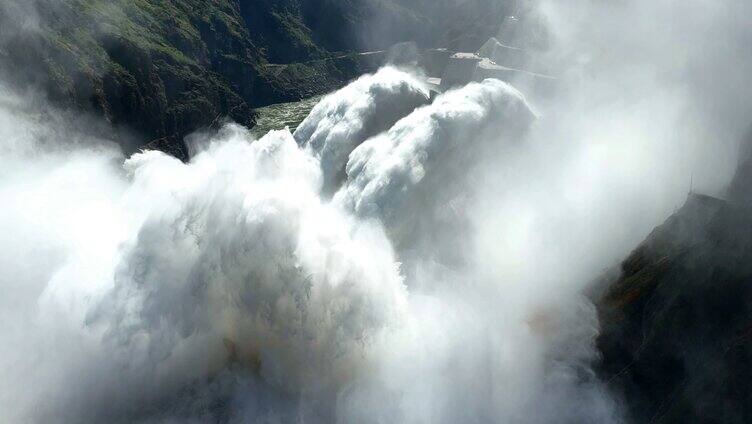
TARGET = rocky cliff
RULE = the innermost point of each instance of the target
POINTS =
(677, 324)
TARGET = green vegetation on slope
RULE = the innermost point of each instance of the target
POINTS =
(162, 67)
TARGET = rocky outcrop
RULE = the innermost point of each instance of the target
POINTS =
(676, 333)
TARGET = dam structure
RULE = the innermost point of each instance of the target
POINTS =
(494, 59)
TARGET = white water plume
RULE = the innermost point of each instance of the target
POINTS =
(366, 107)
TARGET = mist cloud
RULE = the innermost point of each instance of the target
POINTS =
(441, 283)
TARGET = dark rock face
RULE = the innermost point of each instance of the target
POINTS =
(677, 325)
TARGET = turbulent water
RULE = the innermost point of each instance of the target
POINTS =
(283, 115)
